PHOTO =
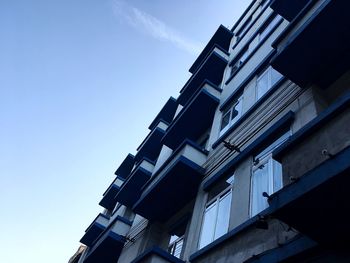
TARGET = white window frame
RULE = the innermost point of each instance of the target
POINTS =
(173, 245)
(214, 202)
(265, 158)
(230, 111)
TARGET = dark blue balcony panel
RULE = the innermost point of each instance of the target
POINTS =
(174, 184)
(108, 199)
(151, 145)
(109, 245)
(288, 9)
(310, 51)
(126, 166)
(221, 39)
(156, 255)
(131, 189)
(316, 203)
(94, 230)
(166, 113)
(212, 69)
(195, 118)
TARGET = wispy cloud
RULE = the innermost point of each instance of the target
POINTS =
(153, 27)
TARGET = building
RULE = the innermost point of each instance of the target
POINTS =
(251, 162)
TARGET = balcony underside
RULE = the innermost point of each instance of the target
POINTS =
(176, 187)
(131, 190)
(317, 203)
(151, 147)
(193, 120)
(212, 69)
(108, 200)
(222, 38)
(318, 52)
(288, 9)
(94, 230)
(126, 166)
(107, 251)
(156, 255)
(166, 113)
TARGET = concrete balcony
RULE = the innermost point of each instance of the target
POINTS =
(314, 48)
(288, 9)
(189, 123)
(156, 255)
(221, 39)
(130, 191)
(126, 166)
(94, 230)
(108, 200)
(151, 145)
(166, 113)
(211, 69)
(109, 245)
(316, 161)
(174, 184)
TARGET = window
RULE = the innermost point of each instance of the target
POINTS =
(217, 214)
(266, 177)
(269, 27)
(239, 61)
(266, 80)
(175, 245)
(232, 114)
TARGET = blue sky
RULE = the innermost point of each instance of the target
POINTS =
(80, 81)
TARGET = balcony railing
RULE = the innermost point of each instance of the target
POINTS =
(131, 189)
(314, 48)
(108, 199)
(174, 184)
(212, 69)
(151, 145)
(94, 230)
(110, 243)
(190, 123)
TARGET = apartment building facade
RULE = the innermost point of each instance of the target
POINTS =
(251, 162)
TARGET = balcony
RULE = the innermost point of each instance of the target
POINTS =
(166, 113)
(189, 123)
(317, 159)
(212, 69)
(131, 189)
(151, 146)
(174, 184)
(221, 39)
(288, 9)
(108, 199)
(314, 48)
(94, 230)
(108, 247)
(157, 255)
(126, 166)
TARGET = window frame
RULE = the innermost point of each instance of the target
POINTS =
(264, 157)
(172, 247)
(230, 109)
(269, 71)
(215, 203)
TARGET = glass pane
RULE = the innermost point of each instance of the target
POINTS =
(178, 248)
(275, 76)
(277, 175)
(225, 120)
(262, 84)
(238, 110)
(260, 184)
(223, 215)
(208, 225)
